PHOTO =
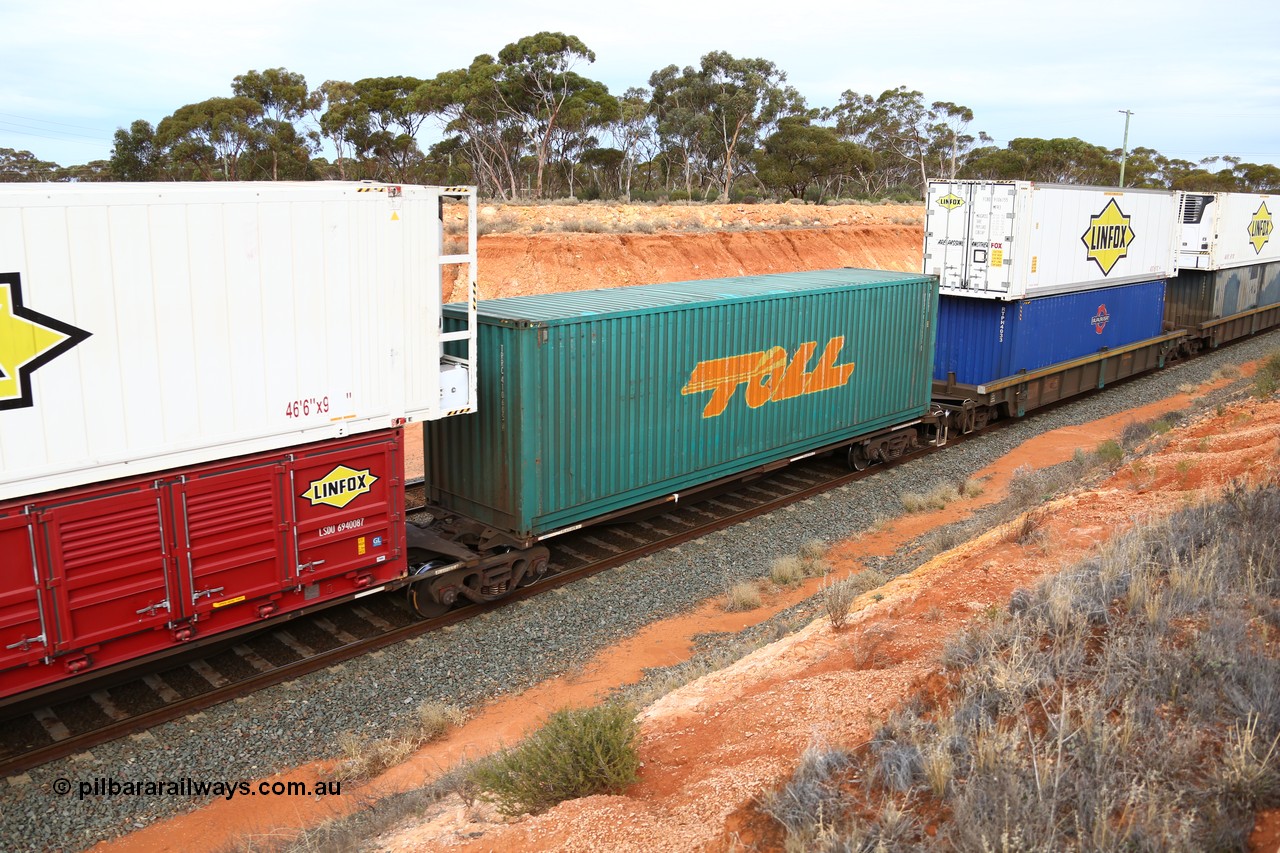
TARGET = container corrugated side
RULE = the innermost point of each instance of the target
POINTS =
(1199, 296)
(981, 340)
(164, 325)
(1011, 240)
(594, 402)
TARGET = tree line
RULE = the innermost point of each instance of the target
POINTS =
(527, 123)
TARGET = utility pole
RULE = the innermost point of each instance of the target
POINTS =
(1124, 151)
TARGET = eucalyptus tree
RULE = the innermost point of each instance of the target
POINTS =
(680, 109)
(344, 121)
(23, 166)
(285, 100)
(800, 154)
(907, 134)
(746, 97)
(396, 112)
(634, 134)
(135, 154)
(540, 89)
(211, 134)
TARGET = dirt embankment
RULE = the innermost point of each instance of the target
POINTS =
(552, 249)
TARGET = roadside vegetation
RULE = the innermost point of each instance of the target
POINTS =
(1131, 702)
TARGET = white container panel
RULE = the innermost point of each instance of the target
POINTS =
(153, 326)
(1225, 230)
(1017, 239)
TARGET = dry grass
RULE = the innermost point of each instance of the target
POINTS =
(1131, 702)
(362, 757)
(744, 595)
(787, 571)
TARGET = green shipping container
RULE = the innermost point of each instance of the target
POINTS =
(597, 401)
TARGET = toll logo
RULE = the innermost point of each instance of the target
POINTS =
(950, 202)
(1260, 227)
(1108, 237)
(1100, 319)
(770, 376)
(28, 341)
(339, 487)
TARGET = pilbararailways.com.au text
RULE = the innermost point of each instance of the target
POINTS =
(103, 786)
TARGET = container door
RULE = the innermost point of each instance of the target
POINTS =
(110, 569)
(348, 507)
(232, 528)
(969, 237)
(24, 636)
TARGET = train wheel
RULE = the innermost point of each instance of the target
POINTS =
(537, 571)
(419, 594)
(858, 460)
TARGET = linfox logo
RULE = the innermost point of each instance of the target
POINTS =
(339, 487)
(950, 202)
(1108, 237)
(1260, 227)
(1100, 319)
(28, 341)
(769, 376)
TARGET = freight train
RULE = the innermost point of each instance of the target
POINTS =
(203, 388)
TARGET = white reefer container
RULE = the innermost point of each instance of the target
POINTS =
(1018, 239)
(1224, 230)
(146, 327)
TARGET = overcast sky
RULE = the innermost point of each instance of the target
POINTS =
(1201, 79)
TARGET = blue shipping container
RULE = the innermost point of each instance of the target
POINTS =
(982, 340)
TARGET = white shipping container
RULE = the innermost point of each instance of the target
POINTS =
(1224, 230)
(152, 326)
(1018, 239)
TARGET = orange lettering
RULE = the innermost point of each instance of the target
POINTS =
(768, 375)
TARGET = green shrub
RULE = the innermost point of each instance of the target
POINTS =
(577, 753)
(1267, 379)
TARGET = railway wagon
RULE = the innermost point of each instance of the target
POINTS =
(1011, 240)
(598, 402)
(202, 388)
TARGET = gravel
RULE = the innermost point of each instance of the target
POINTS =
(504, 651)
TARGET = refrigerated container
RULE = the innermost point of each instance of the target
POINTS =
(1011, 240)
(1226, 230)
(153, 326)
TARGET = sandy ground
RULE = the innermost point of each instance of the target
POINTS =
(713, 745)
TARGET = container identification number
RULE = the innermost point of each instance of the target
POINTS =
(304, 408)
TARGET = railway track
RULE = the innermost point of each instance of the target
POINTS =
(77, 718)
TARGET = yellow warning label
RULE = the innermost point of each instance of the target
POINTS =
(360, 545)
(997, 257)
(395, 217)
(236, 600)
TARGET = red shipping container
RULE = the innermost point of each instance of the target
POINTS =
(95, 577)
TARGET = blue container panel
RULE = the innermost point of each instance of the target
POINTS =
(982, 340)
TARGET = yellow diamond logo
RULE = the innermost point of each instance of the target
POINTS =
(950, 201)
(28, 340)
(339, 487)
(1108, 238)
(1260, 228)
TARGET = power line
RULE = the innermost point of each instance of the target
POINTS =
(47, 121)
(62, 133)
(97, 144)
